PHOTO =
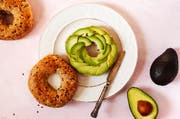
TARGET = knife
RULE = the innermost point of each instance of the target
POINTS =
(109, 80)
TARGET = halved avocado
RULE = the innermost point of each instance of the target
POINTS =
(142, 105)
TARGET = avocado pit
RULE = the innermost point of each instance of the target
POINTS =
(6, 17)
(144, 107)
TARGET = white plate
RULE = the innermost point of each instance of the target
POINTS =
(82, 15)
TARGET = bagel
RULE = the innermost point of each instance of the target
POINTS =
(16, 19)
(41, 89)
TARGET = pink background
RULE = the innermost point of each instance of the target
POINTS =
(156, 26)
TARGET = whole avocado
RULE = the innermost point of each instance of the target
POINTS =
(165, 67)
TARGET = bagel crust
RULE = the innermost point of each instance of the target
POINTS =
(41, 89)
(16, 19)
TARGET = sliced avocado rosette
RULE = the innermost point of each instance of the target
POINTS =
(82, 60)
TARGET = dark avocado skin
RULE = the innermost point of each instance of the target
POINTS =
(165, 67)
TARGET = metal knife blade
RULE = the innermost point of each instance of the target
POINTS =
(109, 80)
(115, 68)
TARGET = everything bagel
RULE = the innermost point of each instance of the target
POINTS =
(40, 88)
(16, 19)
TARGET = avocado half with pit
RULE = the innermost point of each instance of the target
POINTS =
(142, 105)
(81, 59)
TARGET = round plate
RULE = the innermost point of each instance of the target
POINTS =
(82, 15)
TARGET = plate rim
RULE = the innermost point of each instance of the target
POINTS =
(107, 8)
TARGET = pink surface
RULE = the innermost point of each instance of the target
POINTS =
(156, 26)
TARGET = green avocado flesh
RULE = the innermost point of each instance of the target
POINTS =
(80, 58)
(142, 105)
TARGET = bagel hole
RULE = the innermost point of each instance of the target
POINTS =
(6, 17)
(93, 51)
(54, 81)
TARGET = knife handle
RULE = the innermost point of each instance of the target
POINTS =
(110, 77)
(99, 102)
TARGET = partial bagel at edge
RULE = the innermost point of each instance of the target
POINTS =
(16, 19)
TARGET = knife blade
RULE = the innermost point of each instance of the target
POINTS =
(109, 80)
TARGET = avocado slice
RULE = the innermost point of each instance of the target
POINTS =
(75, 52)
(103, 55)
(84, 32)
(142, 105)
(88, 69)
(97, 41)
(70, 43)
(85, 40)
(95, 60)
(88, 59)
(108, 39)
(98, 30)
(103, 40)
(112, 55)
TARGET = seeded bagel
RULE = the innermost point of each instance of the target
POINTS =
(16, 19)
(41, 89)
